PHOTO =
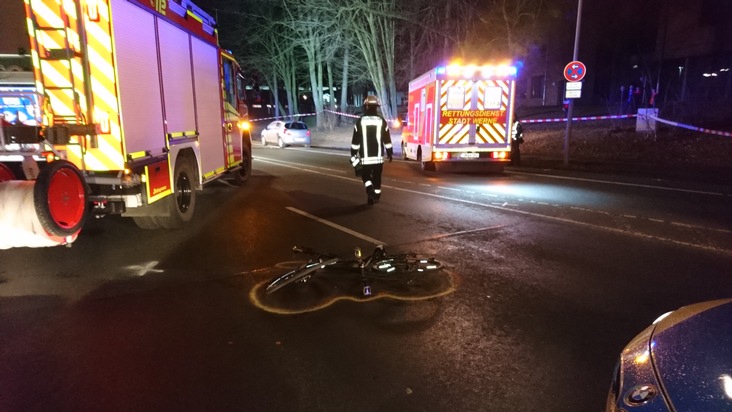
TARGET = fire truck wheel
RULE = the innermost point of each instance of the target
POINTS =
(183, 200)
(60, 196)
(146, 222)
(242, 174)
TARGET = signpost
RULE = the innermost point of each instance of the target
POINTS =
(573, 90)
(572, 70)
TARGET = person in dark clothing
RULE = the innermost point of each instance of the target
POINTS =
(517, 137)
(371, 138)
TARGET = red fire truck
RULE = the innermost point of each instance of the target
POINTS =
(139, 108)
(461, 115)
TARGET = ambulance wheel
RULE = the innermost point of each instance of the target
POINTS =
(242, 174)
(426, 166)
(182, 201)
(60, 196)
(404, 151)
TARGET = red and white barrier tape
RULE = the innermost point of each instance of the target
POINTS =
(343, 114)
(689, 127)
(575, 119)
(282, 117)
(557, 119)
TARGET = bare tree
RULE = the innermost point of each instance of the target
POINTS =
(313, 31)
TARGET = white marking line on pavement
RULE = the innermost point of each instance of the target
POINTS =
(337, 226)
(141, 271)
(538, 215)
(608, 182)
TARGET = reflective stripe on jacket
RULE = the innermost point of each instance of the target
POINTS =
(370, 137)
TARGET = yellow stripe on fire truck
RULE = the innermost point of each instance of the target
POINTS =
(104, 151)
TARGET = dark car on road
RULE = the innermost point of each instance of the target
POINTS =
(682, 362)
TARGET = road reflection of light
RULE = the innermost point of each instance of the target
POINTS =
(727, 384)
(535, 191)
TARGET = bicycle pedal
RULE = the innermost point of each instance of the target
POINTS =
(367, 290)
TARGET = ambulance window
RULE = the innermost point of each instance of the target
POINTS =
(229, 82)
(493, 97)
(456, 98)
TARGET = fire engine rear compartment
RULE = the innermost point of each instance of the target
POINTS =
(136, 105)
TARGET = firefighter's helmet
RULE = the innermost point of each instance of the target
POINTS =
(371, 101)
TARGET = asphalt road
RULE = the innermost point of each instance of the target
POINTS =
(549, 276)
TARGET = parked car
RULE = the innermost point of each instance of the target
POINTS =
(286, 134)
(682, 362)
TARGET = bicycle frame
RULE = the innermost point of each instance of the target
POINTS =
(379, 262)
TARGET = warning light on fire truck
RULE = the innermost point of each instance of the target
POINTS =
(474, 71)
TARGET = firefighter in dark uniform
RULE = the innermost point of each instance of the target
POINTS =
(517, 137)
(370, 140)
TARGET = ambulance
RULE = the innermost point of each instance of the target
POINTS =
(461, 117)
(137, 109)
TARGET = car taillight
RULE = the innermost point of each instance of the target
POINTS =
(442, 155)
(498, 155)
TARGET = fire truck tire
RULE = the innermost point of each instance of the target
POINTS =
(60, 197)
(182, 202)
(146, 222)
(242, 174)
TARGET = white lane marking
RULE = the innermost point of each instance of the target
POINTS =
(337, 226)
(578, 223)
(538, 215)
(141, 271)
(609, 182)
(579, 179)
(463, 232)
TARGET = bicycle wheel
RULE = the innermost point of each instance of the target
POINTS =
(406, 263)
(300, 274)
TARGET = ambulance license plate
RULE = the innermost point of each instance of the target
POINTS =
(469, 155)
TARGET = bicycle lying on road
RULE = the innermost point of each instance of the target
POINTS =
(378, 266)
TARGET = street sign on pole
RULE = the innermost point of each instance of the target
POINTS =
(570, 107)
(574, 71)
(573, 90)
